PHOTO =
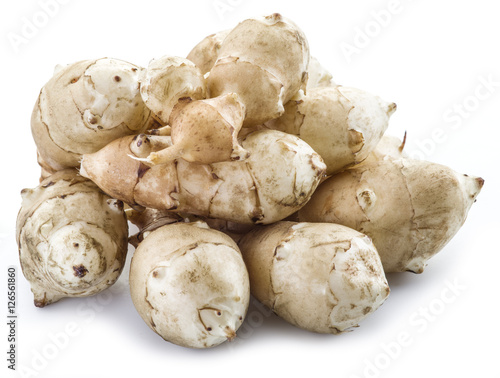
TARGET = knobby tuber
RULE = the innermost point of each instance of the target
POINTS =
(83, 107)
(263, 60)
(342, 124)
(190, 285)
(167, 80)
(410, 208)
(276, 180)
(204, 131)
(72, 238)
(321, 277)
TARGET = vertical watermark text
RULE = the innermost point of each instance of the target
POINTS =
(11, 318)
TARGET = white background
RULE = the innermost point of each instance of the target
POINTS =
(429, 57)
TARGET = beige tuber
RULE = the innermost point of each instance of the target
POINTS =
(205, 53)
(409, 208)
(342, 124)
(321, 277)
(203, 131)
(190, 285)
(276, 180)
(318, 76)
(167, 80)
(72, 238)
(83, 107)
(264, 61)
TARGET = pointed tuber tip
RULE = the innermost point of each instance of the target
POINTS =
(403, 143)
(391, 109)
(230, 333)
(480, 182)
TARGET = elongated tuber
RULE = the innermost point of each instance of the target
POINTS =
(321, 277)
(72, 238)
(342, 124)
(409, 208)
(83, 107)
(190, 285)
(276, 180)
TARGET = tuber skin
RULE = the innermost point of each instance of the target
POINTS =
(321, 277)
(204, 131)
(190, 285)
(318, 76)
(264, 61)
(205, 53)
(72, 238)
(276, 180)
(83, 107)
(411, 209)
(342, 124)
(167, 80)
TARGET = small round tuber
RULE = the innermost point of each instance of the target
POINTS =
(205, 53)
(318, 76)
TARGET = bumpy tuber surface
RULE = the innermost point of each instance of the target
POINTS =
(321, 277)
(342, 124)
(409, 208)
(264, 61)
(205, 53)
(167, 80)
(276, 180)
(318, 76)
(72, 238)
(204, 131)
(190, 285)
(83, 107)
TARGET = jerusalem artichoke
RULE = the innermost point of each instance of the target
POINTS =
(190, 285)
(409, 208)
(342, 124)
(83, 107)
(277, 179)
(264, 61)
(167, 80)
(321, 277)
(72, 238)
